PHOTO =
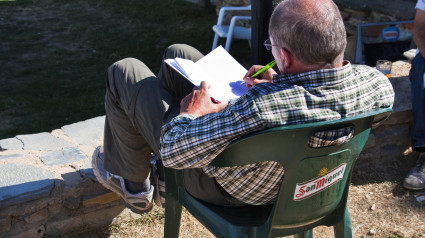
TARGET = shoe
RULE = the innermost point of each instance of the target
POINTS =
(139, 203)
(159, 193)
(415, 179)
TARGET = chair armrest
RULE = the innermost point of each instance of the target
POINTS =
(233, 22)
(223, 10)
(241, 18)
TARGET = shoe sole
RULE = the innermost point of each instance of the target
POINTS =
(406, 186)
(138, 211)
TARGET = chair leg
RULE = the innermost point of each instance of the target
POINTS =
(343, 227)
(228, 43)
(173, 213)
(306, 234)
(215, 42)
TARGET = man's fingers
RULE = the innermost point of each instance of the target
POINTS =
(248, 81)
(253, 69)
(205, 85)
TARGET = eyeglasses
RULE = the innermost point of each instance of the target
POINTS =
(268, 44)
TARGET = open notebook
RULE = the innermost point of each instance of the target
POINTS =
(219, 69)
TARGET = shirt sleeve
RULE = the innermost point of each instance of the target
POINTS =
(188, 142)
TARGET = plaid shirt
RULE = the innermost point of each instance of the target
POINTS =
(189, 142)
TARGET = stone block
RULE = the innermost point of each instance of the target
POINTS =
(72, 203)
(11, 144)
(391, 132)
(86, 170)
(103, 216)
(42, 141)
(401, 9)
(350, 49)
(100, 198)
(400, 117)
(391, 151)
(37, 217)
(368, 155)
(100, 217)
(62, 226)
(87, 132)
(37, 232)
(402, 99)
(70, 177)
(63, 156)
(371, 142)
(21, 183)
(11, 156)
(54, 208)
(5, 224)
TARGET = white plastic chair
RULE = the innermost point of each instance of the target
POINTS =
(231, 31)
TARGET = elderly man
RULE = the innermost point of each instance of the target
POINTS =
(307, 39)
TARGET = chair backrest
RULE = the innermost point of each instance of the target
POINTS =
(316, 180)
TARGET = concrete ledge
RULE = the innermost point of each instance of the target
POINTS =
(47, 185)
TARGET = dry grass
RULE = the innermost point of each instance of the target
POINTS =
(152, 225)
(375, 210)
(379, 208)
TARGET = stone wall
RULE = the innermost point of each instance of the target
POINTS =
(390, 142)
(47, 185)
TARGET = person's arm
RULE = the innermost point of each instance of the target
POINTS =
(419, 31)
(192, 141)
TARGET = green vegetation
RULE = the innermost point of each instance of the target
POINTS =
(54, 53)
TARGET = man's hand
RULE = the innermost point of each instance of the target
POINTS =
(266, 77)
(198, 103)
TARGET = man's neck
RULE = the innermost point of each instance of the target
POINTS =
(301, 68)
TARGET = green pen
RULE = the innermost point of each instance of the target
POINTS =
(264, 69)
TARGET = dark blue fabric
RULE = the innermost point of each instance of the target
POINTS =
(418, 102)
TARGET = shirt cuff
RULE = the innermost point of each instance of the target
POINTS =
(189, 116)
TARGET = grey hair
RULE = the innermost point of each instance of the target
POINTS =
(314, 34)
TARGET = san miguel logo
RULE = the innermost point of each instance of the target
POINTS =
(326, 179)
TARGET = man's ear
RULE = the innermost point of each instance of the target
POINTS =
(288, 58)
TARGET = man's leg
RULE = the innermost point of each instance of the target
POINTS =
(175, 84)
(170, 79)
(416, 178)
(417, 79)
(127, 144)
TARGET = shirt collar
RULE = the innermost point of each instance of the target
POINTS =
(318, 77)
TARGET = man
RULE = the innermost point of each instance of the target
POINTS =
(307, 39)
(415, 180)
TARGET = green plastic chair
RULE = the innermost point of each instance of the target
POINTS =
(313, 192)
